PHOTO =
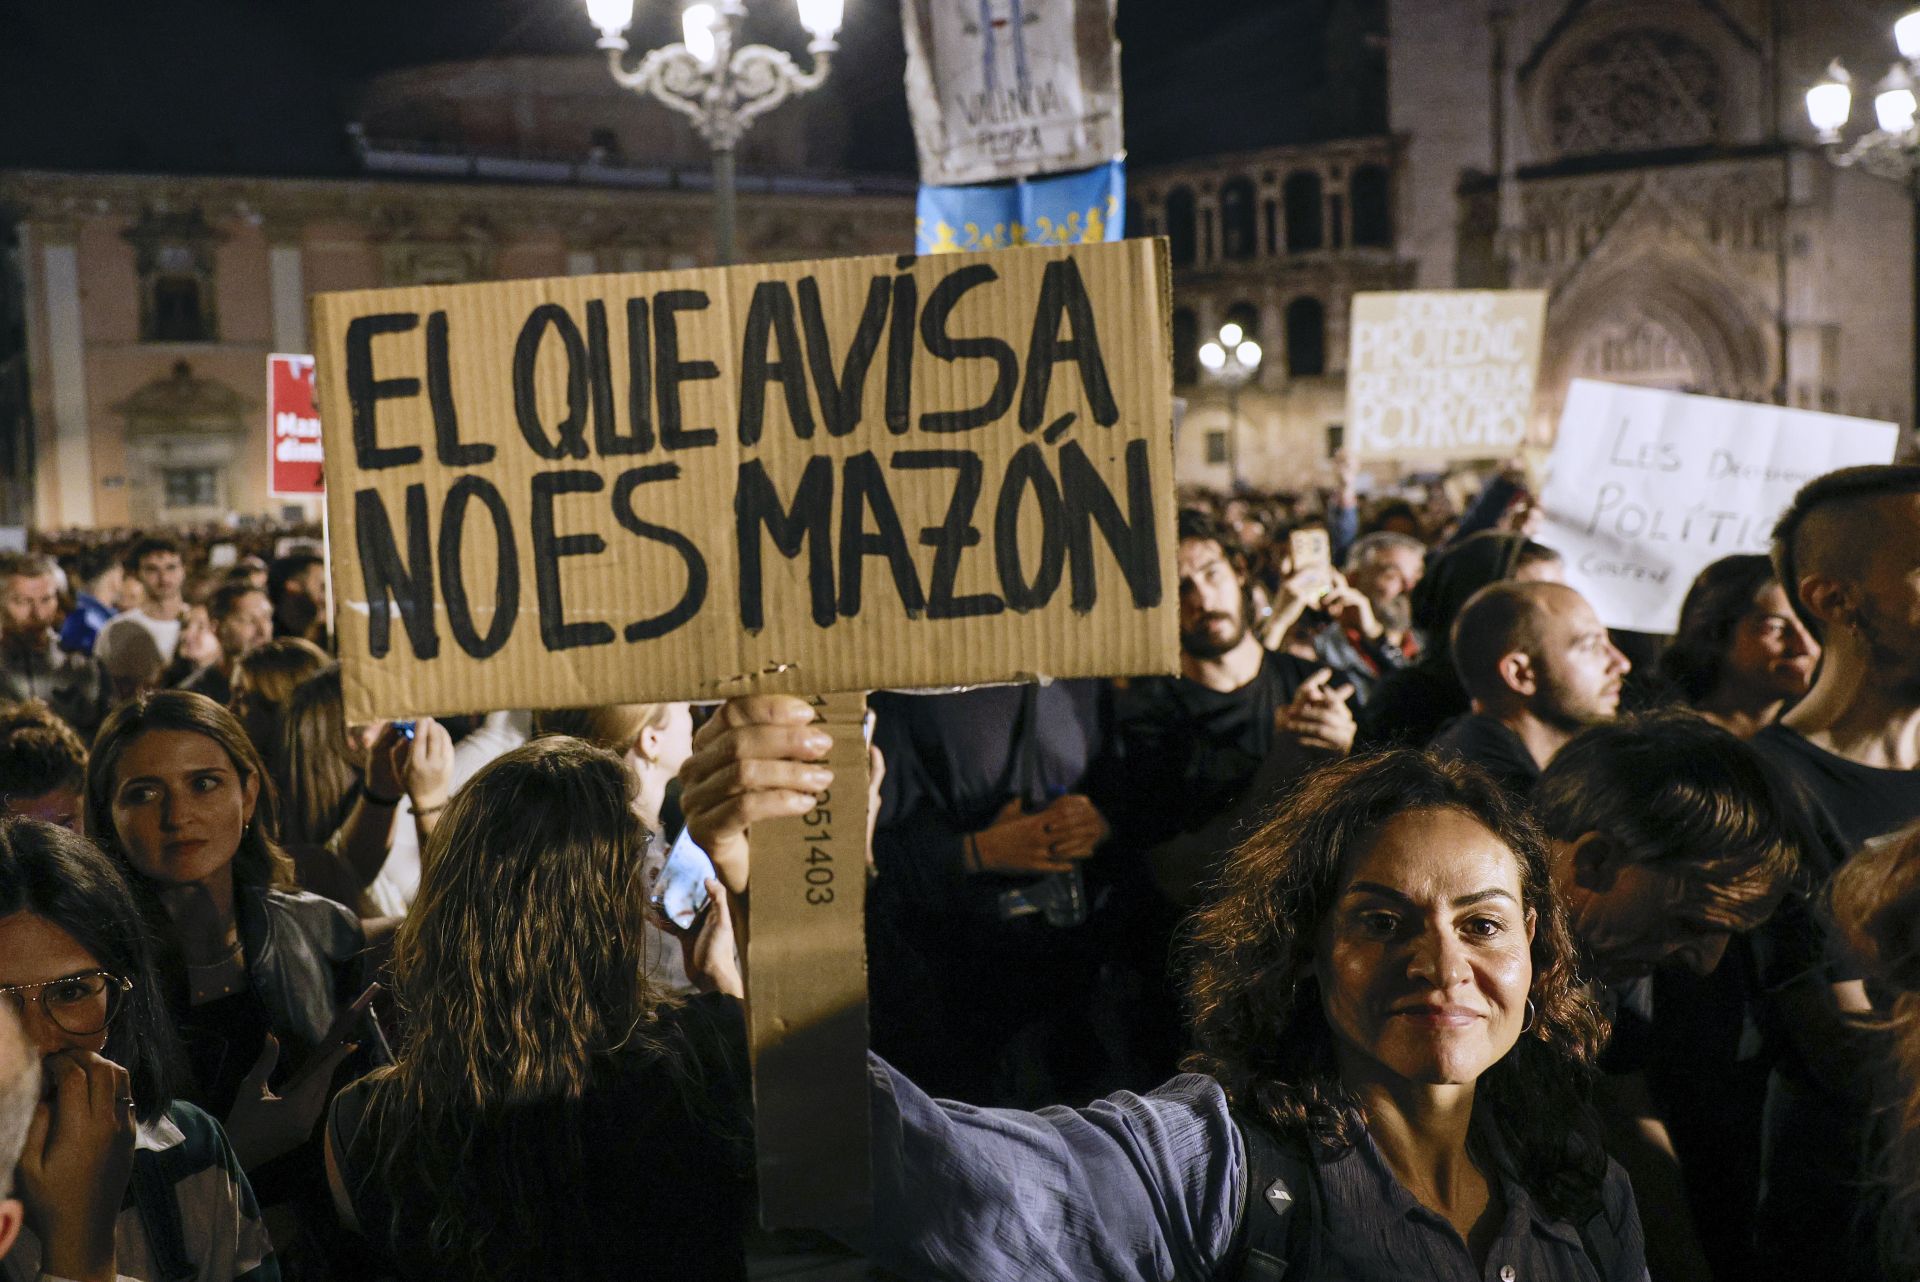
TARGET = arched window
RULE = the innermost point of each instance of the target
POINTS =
(1247, 317)
(1186, 346)
(1306, 337)
(1238, 225)
(1306, 225)
(1641, 89)
(1180, 230)
(1372, 214)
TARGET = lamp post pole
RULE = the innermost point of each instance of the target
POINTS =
(1233, 359)
(716, 82)
(1890, 151)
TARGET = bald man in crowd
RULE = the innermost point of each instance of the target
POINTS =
(19, 1096)
(1538, 665)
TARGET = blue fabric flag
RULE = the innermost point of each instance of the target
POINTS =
(1061, 209)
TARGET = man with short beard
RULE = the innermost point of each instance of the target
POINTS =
(1540, 668)
(1193, 759)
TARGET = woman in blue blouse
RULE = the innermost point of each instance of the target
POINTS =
(1384, 996)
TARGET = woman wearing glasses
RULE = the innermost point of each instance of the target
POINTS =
(120, 1179)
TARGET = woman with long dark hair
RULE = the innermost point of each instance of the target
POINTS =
(264, 982)
(1392, 1053)
(76, 965)
(548, 1114)
(1740, 656)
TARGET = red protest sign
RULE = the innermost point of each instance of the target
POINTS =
(293, 428)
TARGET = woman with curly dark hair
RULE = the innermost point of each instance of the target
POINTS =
(1393, 1051)
(1739, 657)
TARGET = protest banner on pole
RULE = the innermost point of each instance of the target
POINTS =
(802, 478)
(1009, 88)
(294, 462)
(1442, 375)
(1646, 488)
(795, 477)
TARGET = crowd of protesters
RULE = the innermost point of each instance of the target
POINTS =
(1419, 927)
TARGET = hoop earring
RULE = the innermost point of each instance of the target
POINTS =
(1528, 1026)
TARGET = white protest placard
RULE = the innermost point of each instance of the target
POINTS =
(1646, 488)
(1442, 375)
(1011, 88)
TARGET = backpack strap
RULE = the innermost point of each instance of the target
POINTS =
(1276, 1208)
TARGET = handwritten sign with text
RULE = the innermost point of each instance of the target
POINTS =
(795, 477)
(1440, 375)
(1646, 488)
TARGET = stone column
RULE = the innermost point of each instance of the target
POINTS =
(287, 283)
(71, 502)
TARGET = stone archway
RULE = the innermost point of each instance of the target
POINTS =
(1657, 319)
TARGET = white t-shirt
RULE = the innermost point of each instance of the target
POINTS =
(165, 634)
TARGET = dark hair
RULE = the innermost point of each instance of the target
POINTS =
(90, 563)
(1198, 525)
(1497, 620)
(290, 566)
(226, 599)
(1847, 487)
(1391, 510)
(1675, 791)
(1259, 1027)
(523, 973)
(1721, 596)
(313, 771)
(52, 873)
(24, 565)
(149, 545)
(38, 752)
(259, 863)
(1462, 570)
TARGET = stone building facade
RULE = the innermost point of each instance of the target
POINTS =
(141, 308)
(1649, 164)
(1277, 241)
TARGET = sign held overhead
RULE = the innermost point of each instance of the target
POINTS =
(796, 477)
(1646, 488)
(1443, 375)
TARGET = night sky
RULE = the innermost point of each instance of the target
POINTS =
(260, 86)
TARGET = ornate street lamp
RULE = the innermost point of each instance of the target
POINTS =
(1232, 362)
(720, 87)
(1890, 151)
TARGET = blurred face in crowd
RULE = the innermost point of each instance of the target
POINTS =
(311, 582)
(1424, 961)
(180, 806)
(255, 574)
(1386, 579)
(1578, 671)
(1213, 616)
(29, 606)
(1770, 653)
(668, 746)
(161, 575)
(1631, 917)
(247, 627)
(108, 586)
(62, 807)
(198, 640)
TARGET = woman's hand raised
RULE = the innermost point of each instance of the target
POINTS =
(73, 1173)
(756, 759)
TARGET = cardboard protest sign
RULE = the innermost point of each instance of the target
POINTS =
(293, 429)
(1645, 488)
(793, 477)
(1442, 375)
(806, 962)
(1010, 88)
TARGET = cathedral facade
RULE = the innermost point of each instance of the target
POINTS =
(1650, 165)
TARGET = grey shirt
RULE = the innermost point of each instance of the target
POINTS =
(1149, 1187)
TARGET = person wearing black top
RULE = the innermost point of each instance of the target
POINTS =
(547, 1114)
(1848, 552)
(1539, 667)
(1192, 760)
